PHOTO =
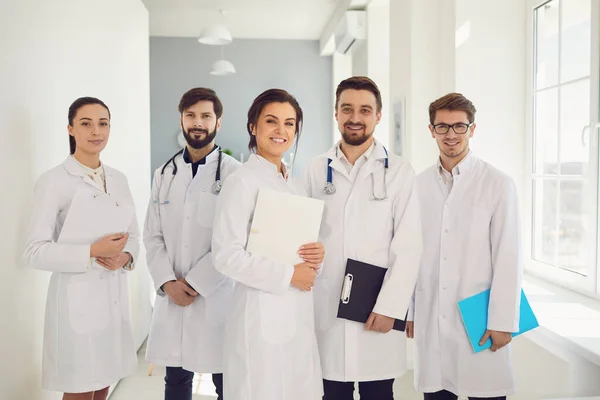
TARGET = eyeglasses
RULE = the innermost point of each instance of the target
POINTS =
(460, 128)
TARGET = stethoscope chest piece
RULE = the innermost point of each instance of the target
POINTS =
(217, 186)
(329, 188)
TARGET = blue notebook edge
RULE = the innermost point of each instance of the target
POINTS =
(476, 323)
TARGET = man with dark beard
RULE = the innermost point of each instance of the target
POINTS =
(192, 302)
(371, 215)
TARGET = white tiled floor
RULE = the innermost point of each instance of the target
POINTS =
(141, 386)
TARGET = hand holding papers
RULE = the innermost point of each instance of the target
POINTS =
(282, 223)
(474, 312)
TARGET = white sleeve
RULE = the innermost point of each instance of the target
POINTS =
(507, 266)
(405, 253)
(41, 252)
(133, 243)
(157, 258)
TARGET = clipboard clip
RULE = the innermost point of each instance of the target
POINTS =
(347, 288)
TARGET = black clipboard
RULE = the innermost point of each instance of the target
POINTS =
(362, 284)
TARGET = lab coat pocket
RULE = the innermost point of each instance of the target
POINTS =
(88, 305)
(206, 209)
(218, 304)
(278, 317)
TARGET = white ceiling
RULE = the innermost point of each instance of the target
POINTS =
(265, 19)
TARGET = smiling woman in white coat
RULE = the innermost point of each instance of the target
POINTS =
(270, 350)
(471, 230)
(88, 341)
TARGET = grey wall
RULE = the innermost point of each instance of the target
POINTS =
(178, 64)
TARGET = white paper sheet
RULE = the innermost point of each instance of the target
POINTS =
(93, 216)
(282, 223)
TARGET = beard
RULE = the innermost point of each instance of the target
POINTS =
(355, 139)
(452, 153)
(199, 143)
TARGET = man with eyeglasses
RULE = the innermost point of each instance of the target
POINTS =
(471, 237)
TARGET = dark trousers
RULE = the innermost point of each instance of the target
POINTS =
(446, 395)
(178, 384)
(376, 390)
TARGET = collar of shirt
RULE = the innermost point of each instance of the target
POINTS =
(462, 167)
(202, 161)
(96, 175)
(364, 157)
(91, 171)
(269, 165)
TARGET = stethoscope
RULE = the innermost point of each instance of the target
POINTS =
(216, 187)
(330, 189)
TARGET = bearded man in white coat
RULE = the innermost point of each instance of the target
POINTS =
(186, 334)
(372, 216)
(471, 230)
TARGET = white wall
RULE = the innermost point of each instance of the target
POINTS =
(491, 70)
(422, 69)
(372, 59)
(342, 69)
(52, 53)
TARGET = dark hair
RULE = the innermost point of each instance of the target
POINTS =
(268, 97)
(452, 102)
(195, 95)
(74, 107)
(359, 83)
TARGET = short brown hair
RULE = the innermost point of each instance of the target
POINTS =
(359, 83)
(195, 95)
(452, 102)
(267, 97)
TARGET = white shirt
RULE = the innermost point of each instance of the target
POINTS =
(353, 169)
(97, 175)
(448, 177)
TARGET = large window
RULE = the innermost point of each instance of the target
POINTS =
(564, 179)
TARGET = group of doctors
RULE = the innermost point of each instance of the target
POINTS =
(264, 329)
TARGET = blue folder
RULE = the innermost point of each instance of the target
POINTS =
(474, 313)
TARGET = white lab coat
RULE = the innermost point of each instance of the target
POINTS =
(177, 235)
(472, 236)
(385, 233)
(270, 345)
(88, 341)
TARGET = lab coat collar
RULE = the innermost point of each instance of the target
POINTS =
(72, 166)
(262, 162)
(375, 152)
(210, 157)
(464, 166)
